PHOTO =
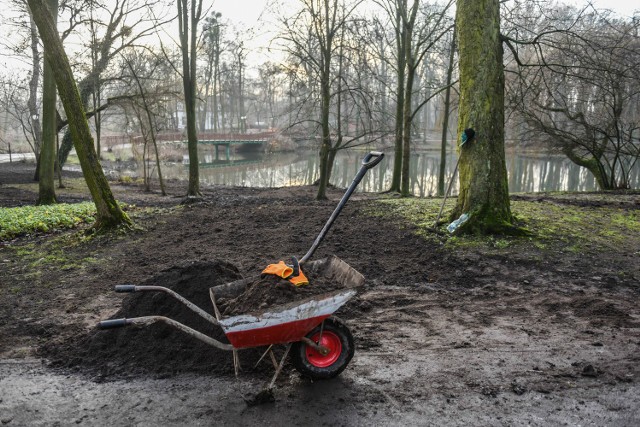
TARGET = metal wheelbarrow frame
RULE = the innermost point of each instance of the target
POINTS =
(321, 345)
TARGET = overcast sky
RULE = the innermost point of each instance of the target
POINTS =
(249, 10)
(253, 14)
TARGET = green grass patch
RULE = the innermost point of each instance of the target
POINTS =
(553, 226)
(23, 220)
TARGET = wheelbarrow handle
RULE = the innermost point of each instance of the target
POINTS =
(114, 323)
(125, 288)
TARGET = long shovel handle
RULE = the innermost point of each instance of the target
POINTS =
(369, 161)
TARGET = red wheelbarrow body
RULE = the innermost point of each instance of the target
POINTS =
(291, 322)
(288, 324)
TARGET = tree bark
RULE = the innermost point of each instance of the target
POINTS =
(401, 66)
(445, 120)
(325, 31)
(108, 212)
(326, 145)
(32, 102)
(409, 23)
(484, 194)
(189, 47)
(46, 186)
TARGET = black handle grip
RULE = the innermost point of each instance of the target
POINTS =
(114, 323)
(125, 288)
(296, 267)
(372, 159)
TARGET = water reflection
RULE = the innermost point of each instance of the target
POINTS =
(527, 173)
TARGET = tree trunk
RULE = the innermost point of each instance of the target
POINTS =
(325, 95)
(401, 66)
(326, 145)
(484, 193)
(46, 186)
(445, 120)
(408, 23)
(108, 212)
(406, 131)
(85, 88)
(188, 48)
(32, 102)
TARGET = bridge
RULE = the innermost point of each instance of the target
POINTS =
(218, 140)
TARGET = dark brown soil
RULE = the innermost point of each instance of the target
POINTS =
(269, 291)
(430, 323)
(132, 351)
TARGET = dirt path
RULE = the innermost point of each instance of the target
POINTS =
(526, 336)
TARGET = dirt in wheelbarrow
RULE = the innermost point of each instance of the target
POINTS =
(446, 332)
(267, 291)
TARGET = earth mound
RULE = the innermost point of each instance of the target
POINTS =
(157, 349)
(162, 350)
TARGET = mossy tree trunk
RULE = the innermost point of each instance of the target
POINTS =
(108, 211)
(46, 187)
(484, 193)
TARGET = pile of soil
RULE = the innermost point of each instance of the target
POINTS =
(162, 350)
(157, 349)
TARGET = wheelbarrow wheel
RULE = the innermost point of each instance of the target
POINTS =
(336, 337)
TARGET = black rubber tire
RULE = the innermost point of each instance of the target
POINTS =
(299, 351)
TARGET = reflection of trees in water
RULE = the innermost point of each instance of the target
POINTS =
(526, 173)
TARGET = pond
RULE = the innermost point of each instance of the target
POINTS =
(527, 172)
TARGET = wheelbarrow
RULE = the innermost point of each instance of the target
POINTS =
(320, 344)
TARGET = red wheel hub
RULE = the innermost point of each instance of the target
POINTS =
(329, 340)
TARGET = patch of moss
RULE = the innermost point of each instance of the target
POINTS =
(66, 251)
(552, 226)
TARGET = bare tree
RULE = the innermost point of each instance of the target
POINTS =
(314, 35)
(109, 213)
(144, 113)
(46, 187)
(189, 15)
(445, 121)
(418, 29)
(577, 89)
(119, 25)
(213, 49)
(15, 102)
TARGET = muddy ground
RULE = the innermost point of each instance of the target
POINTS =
(522, 336)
